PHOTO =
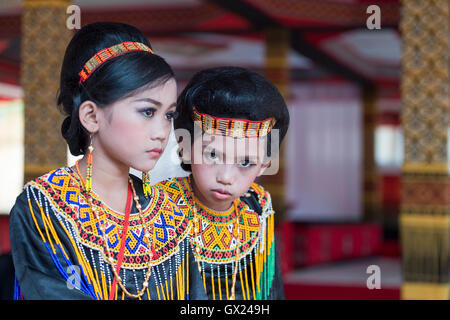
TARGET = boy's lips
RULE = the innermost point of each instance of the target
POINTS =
(221, 194)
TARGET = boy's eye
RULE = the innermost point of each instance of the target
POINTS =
(212, 155)
(246, 163)
(171, 115)
(148, 112)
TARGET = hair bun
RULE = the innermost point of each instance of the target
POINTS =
(66, 125)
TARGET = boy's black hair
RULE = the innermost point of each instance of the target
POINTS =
(115, 79)
(231, 92)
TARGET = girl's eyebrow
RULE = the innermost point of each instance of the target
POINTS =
(155, 102)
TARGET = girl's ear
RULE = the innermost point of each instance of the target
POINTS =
(264, 167)
(89, 116)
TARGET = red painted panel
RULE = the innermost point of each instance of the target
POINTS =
(5, 246)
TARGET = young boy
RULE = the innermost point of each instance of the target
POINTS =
(227, 119)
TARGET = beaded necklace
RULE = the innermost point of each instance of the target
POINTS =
(106, 250)
(238, 243)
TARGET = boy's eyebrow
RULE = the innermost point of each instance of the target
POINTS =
(155, 102)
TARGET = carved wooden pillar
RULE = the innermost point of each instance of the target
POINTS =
(44, 39)
(425, 207)
(277, 70)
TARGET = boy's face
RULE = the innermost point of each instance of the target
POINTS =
(223, 168)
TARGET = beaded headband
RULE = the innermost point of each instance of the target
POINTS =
(236, 128)
(108, 53)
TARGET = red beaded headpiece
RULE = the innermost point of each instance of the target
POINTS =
(108, 53)
(236, 128)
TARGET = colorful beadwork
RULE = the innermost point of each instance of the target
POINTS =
(108, 53)
(236, 128)
(60, 192)
(165, 222)
(146, 184)
(230, 238)
(89, 165)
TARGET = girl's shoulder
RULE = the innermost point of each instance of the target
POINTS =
(61, 179)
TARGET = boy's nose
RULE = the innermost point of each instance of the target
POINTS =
(225, 175)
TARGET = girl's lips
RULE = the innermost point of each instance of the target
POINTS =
(155, 152)
(221, 194)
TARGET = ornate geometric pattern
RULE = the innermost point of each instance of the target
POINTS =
(166, 223)
(44, 39)
(236, 128)
(294, 12)
(425, 208)
(217, 236)
(108, 53)
(425, 90)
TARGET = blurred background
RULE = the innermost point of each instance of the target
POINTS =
(363, 177)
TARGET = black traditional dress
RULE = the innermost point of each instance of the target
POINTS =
(58, 252)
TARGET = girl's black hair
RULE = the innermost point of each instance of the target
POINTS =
(231, 92)
(117, 78)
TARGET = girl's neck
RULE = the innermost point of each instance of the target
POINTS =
(109, 180)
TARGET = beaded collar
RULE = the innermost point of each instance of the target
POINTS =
(166, 223)
(216, 230)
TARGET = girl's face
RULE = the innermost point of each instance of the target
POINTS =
(134, 131)
(224, 169)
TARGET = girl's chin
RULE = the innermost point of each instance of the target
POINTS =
(144, 168)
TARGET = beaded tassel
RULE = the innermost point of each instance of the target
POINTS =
(146, 184)
(218, 282)
(89, 169)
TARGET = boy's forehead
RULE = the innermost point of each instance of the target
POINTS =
(243, 146)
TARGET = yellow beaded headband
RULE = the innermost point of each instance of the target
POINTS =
(108, 53)
(236, 128)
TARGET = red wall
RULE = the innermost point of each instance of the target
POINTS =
(5, 246)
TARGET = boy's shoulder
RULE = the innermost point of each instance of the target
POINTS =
(174, 184)
(264, 199)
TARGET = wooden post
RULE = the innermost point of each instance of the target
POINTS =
(425, 204)
(277, 70)
(44, 39)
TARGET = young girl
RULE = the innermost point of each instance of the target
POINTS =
(225, 111)
(92, 231)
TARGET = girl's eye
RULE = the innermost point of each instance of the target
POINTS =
(148, 112)
(171, 115)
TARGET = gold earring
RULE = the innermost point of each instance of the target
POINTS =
(146, 184)
(89, 165)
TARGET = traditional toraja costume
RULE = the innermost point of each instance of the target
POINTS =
(67, 244)
(58, 244)
(235, 250)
